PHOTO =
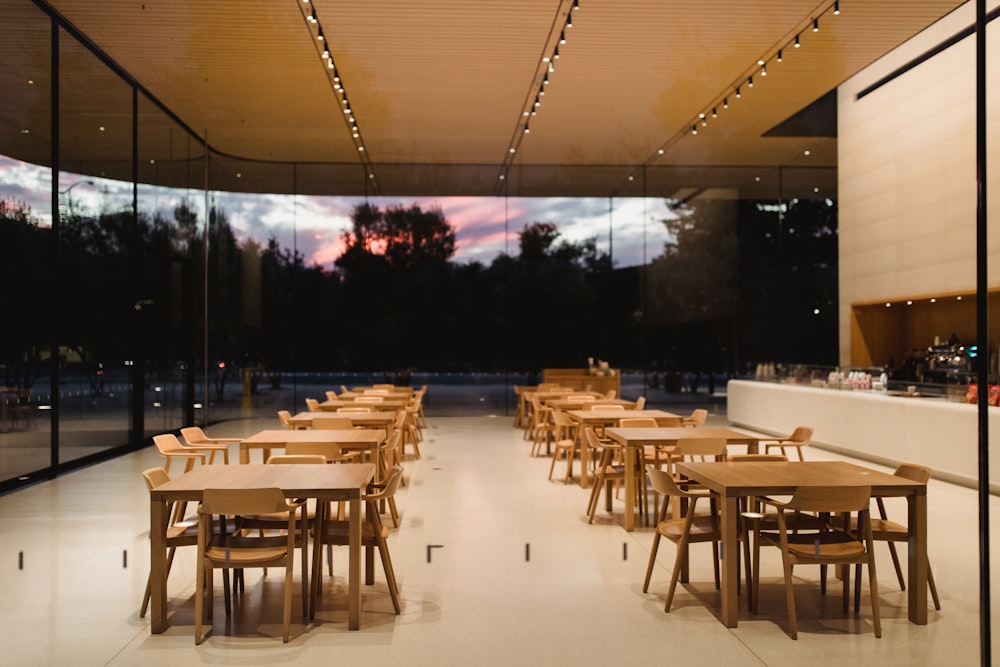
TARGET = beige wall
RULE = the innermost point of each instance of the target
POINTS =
(907, 175)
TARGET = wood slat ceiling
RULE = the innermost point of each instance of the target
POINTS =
(438, 89)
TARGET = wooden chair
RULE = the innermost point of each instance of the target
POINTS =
(421, 417)
(312, 405)
(696, 418)
(542, 427)
(691, 529)
(178, 534)
(220, 548)
(285, 417)
(799, 438)
(640, 403)
(565, 443)
(331, 395)
(751, 520)
(610, 471)
(410, 430)
(884, 530)
(373, 536)
(196, 439)
(388, 456)
(825, 546)
(171, 448)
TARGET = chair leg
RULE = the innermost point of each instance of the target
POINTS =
(789, 597)
(595, 495)
(873, 591)
(652, 561)
(930, 583)
(286, 617)
(895, 564)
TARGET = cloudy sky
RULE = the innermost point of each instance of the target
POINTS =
(484, 226)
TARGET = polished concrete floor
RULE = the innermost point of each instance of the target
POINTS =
(497, 566)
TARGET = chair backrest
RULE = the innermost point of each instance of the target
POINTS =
(376, 392)
(360, 408)
(756, 458)
(155, 477)
(914, 472)
(670, 422)
(640, 403)
(389, 485)
(369, 399)
(802, 434)
(637, 422)
(580, 397)
(390, 387)
(611, 393)
(560, 418)
(312, 404)
(285, 417)
(830, 498)
(329, 450)
(231, 502)
(701, 447)
(663, 482)
(332, 423)
(167, 442)
(697, 417)
(193, 435)
(604, 406)
(331, 395)
(596, 443)
(295, 458)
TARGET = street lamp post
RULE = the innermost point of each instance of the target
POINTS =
(69, 200)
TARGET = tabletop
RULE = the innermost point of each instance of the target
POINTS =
(380, 418)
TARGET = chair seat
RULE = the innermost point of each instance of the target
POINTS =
(830, 545)
(703, 529)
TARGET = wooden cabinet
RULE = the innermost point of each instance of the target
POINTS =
(583, 379)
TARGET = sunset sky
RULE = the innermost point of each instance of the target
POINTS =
(484, 226)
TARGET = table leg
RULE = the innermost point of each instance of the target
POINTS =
(584, 457)
(916, 581)
(630, 486)
(157, 559)
(354, 570)
(244, 454)
(730, 556)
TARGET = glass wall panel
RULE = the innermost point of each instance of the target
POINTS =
(170, 171)
(25, 238)
(95, 301)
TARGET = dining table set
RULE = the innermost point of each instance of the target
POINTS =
(731, 484)
(354, 474)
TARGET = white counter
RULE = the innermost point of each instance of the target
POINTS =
(873, 425)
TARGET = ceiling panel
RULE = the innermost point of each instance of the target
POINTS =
(438, 88)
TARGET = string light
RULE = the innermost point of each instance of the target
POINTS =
(761, 63)
(333, 73)
(557, 38)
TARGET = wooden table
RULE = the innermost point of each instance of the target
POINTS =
(343, 482)
(564, 403)
(604, 418)
(380, 419)
(735, 480)
(634, 438)
(278, 438)
(387, 403)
